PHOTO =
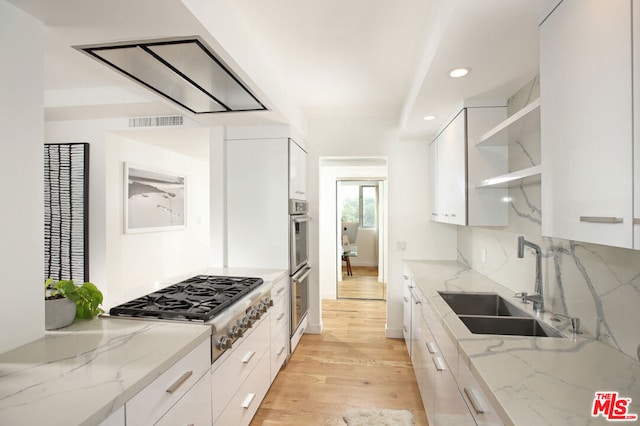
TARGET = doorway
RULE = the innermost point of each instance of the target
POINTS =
(359, 239)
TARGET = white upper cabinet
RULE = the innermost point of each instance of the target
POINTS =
(455, 164)
(587, 122)
(297, 171)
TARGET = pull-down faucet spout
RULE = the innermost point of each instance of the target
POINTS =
(537, 298)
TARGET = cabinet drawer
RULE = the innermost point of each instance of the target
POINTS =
(155, 400)
(482, 410)
(244, 404)
(279, 289)
(229, 375)
(279, 317)
(279, 352)
(446, 345)
(194, 408)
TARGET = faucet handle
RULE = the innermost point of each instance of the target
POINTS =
(575, 322)
(523, 296)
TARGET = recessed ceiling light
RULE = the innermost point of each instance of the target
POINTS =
(459, 72)
(429, 117)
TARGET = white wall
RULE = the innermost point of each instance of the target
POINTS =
(137, 263)
(21, 165)
(409, 222)
(122, 265)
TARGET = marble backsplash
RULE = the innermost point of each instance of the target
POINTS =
(598, 284)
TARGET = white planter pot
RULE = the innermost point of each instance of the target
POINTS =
(58, 313)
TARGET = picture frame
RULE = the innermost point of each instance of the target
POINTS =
(154, 200)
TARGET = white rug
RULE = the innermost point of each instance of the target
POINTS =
(378, 417)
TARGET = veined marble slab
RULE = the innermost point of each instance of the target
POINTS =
(82, 374)
(530, 380)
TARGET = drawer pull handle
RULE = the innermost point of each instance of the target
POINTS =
(475, 400)
(280, 290)
(405, 299)
(404, 327)
(406, 277)
(301, 332)
(280, 351)
(174, 387)
(601, 219)
(248, 357)
(440, 365)
(248, 400)
(280, 316)
(636, 221)
(433, 349)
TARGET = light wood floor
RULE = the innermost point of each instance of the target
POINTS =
(350, 365)
(363, 284)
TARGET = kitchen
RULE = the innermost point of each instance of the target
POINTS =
(116, 259)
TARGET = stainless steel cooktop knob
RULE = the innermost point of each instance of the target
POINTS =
(264, 307)
(235, 332)
(223, 343)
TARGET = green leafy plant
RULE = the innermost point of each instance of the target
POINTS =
(87, 296)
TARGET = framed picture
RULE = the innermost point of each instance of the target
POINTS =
(153, 200)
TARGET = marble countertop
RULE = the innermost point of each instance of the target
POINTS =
(530, 380)
(81, 374)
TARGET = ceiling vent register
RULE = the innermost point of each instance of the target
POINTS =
(161, 121)
(183, 70)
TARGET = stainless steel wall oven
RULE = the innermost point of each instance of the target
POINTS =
(298, 265)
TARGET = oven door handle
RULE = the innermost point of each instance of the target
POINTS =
(303, 274)
(301, 219)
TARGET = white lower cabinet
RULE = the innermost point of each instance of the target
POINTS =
(230, 373)
(406, 311)
(158, 398)
(194, 408)
(115, 419)
(245, 402)
(450, 393)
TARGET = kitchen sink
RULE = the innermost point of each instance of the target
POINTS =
(490, 313)
(481, 304)
(508, 326)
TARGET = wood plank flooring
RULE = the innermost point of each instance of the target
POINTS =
(350, 365)
(363, 284)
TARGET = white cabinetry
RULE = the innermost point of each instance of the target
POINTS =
(279, 325)
(406, 311)
(456, 165)
(449, 391)
(297, 171)
(241, 377)
(194, 408)
(158, 398)
(587, 122)
(115, 419)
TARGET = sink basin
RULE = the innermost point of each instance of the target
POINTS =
(508, 326)
(490, 313)
(481, 304)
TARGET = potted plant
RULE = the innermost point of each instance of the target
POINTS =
(65, 301)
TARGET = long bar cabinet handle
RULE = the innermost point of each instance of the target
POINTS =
(636, 220)
(475, 400)
(600, 219)
(174, 387)
(248, 400)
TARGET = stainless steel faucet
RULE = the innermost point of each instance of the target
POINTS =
(537, 298)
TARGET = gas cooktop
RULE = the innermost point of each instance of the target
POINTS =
(198, 298)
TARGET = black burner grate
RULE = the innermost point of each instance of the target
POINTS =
(198, 298)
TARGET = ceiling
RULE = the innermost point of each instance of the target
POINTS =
(305, 60)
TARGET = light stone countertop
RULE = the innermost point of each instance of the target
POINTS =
(82, 373)
(530, 380)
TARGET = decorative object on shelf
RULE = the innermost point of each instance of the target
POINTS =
(66, 211)
(154, 201)
(65, 301)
